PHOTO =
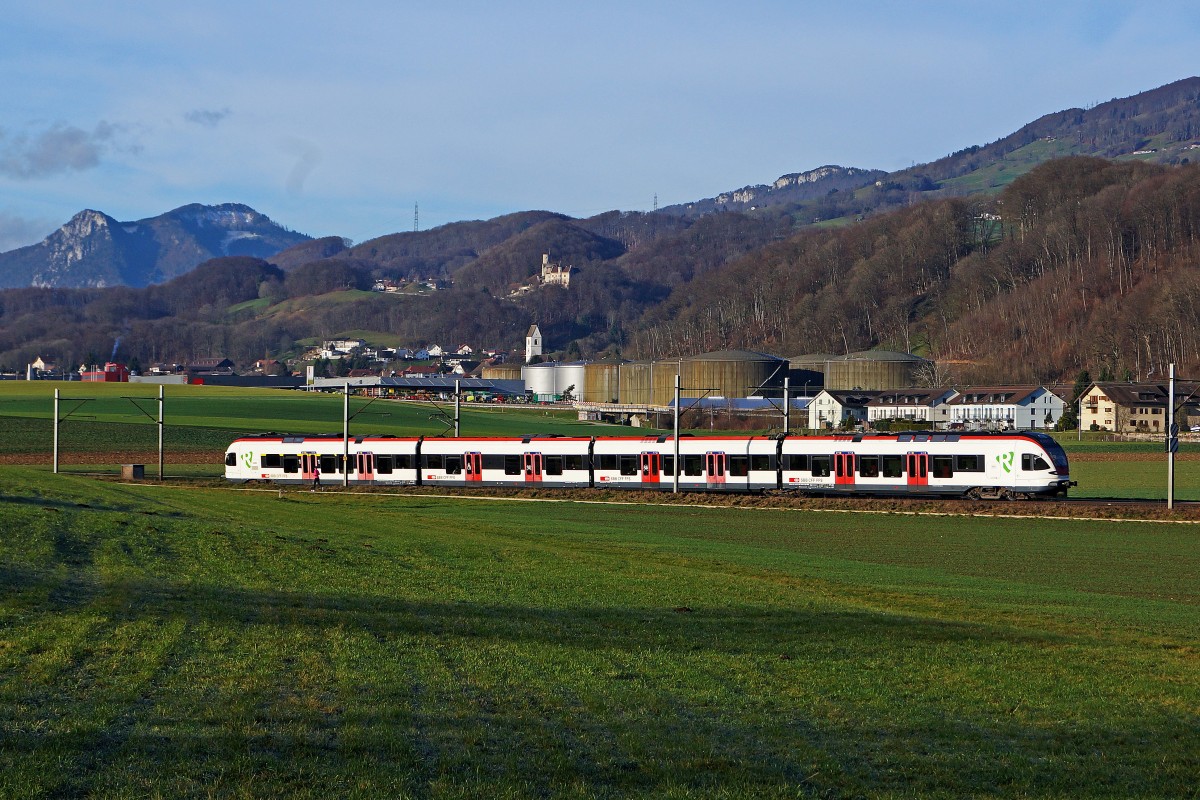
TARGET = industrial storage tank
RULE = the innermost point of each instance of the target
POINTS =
(501, 372)
(807, 372)
(733, 373)
(570, 375)
(601, 381)
(662, 382)
(635, 387)
(873, 369)
(540, 380)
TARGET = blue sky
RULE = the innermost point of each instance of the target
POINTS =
(337, 118)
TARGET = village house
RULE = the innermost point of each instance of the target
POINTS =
(830, 408)
(1004, 408)
(912, 405)
(209, 366)
(1134, 407)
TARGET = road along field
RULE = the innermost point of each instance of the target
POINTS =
(168, 641)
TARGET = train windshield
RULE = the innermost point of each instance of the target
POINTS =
(1053, 449)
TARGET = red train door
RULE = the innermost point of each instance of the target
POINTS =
(308, 465)
(917, 466)
(651, 467)
(366, 466)
(715, 467)
(843, 469)
(473, 466)
(533, 467)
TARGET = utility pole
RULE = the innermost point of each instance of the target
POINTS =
(675, 438)
(1172, 441)
(346, 434)
(415, 217)
(160, 433)
(56, 431)
(457, 407)
(787, 405)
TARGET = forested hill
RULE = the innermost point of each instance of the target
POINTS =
(1081, 263)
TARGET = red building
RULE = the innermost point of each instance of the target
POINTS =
(112, 373)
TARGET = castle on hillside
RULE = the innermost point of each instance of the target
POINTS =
(555, 274)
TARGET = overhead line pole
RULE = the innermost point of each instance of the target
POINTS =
(346, 434)
(160, 432)
(56, 391)
(676, 466)
(1172, 441)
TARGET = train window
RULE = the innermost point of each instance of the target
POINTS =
(573, 462)
(739, 466)
(629, 465)
(796, 463)
(272, 461)
(606, 461)
(291, 463)
(383, 465)
(329, 464)
(762, 463)
(231, 459)
(554, 465)
(1031, 462)
(868, 466)
(693, 465)
(968, 463)
(668, 465)
(405, 460)
(892, 466)
(512, 465)
(492, 461)
(453, 465)
(434, 460)
(820, 466)
(943, 466)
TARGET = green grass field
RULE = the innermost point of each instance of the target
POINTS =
(240, 410)
(167, 642)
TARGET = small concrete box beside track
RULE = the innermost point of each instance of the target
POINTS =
(133, 472)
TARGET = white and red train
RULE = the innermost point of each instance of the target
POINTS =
(911, 463)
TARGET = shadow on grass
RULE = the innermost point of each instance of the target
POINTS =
(675, 713)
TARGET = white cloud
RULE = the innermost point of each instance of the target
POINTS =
(57, 149)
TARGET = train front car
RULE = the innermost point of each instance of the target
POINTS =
(1042, 466)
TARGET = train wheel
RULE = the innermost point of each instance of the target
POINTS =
(973, 493)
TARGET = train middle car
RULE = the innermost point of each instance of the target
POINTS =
(916, 463)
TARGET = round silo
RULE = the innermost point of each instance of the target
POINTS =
(569, 375)
(662, 380)
(634, 378)
(873, 369)
(501, 372)
(601, 381)
(807, 372)
(733, 373)
(540, 380)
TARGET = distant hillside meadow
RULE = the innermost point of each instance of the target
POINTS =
(1068, 245)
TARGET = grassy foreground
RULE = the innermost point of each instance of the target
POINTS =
(165, 642)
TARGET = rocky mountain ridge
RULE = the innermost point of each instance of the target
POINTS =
(94, 250)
